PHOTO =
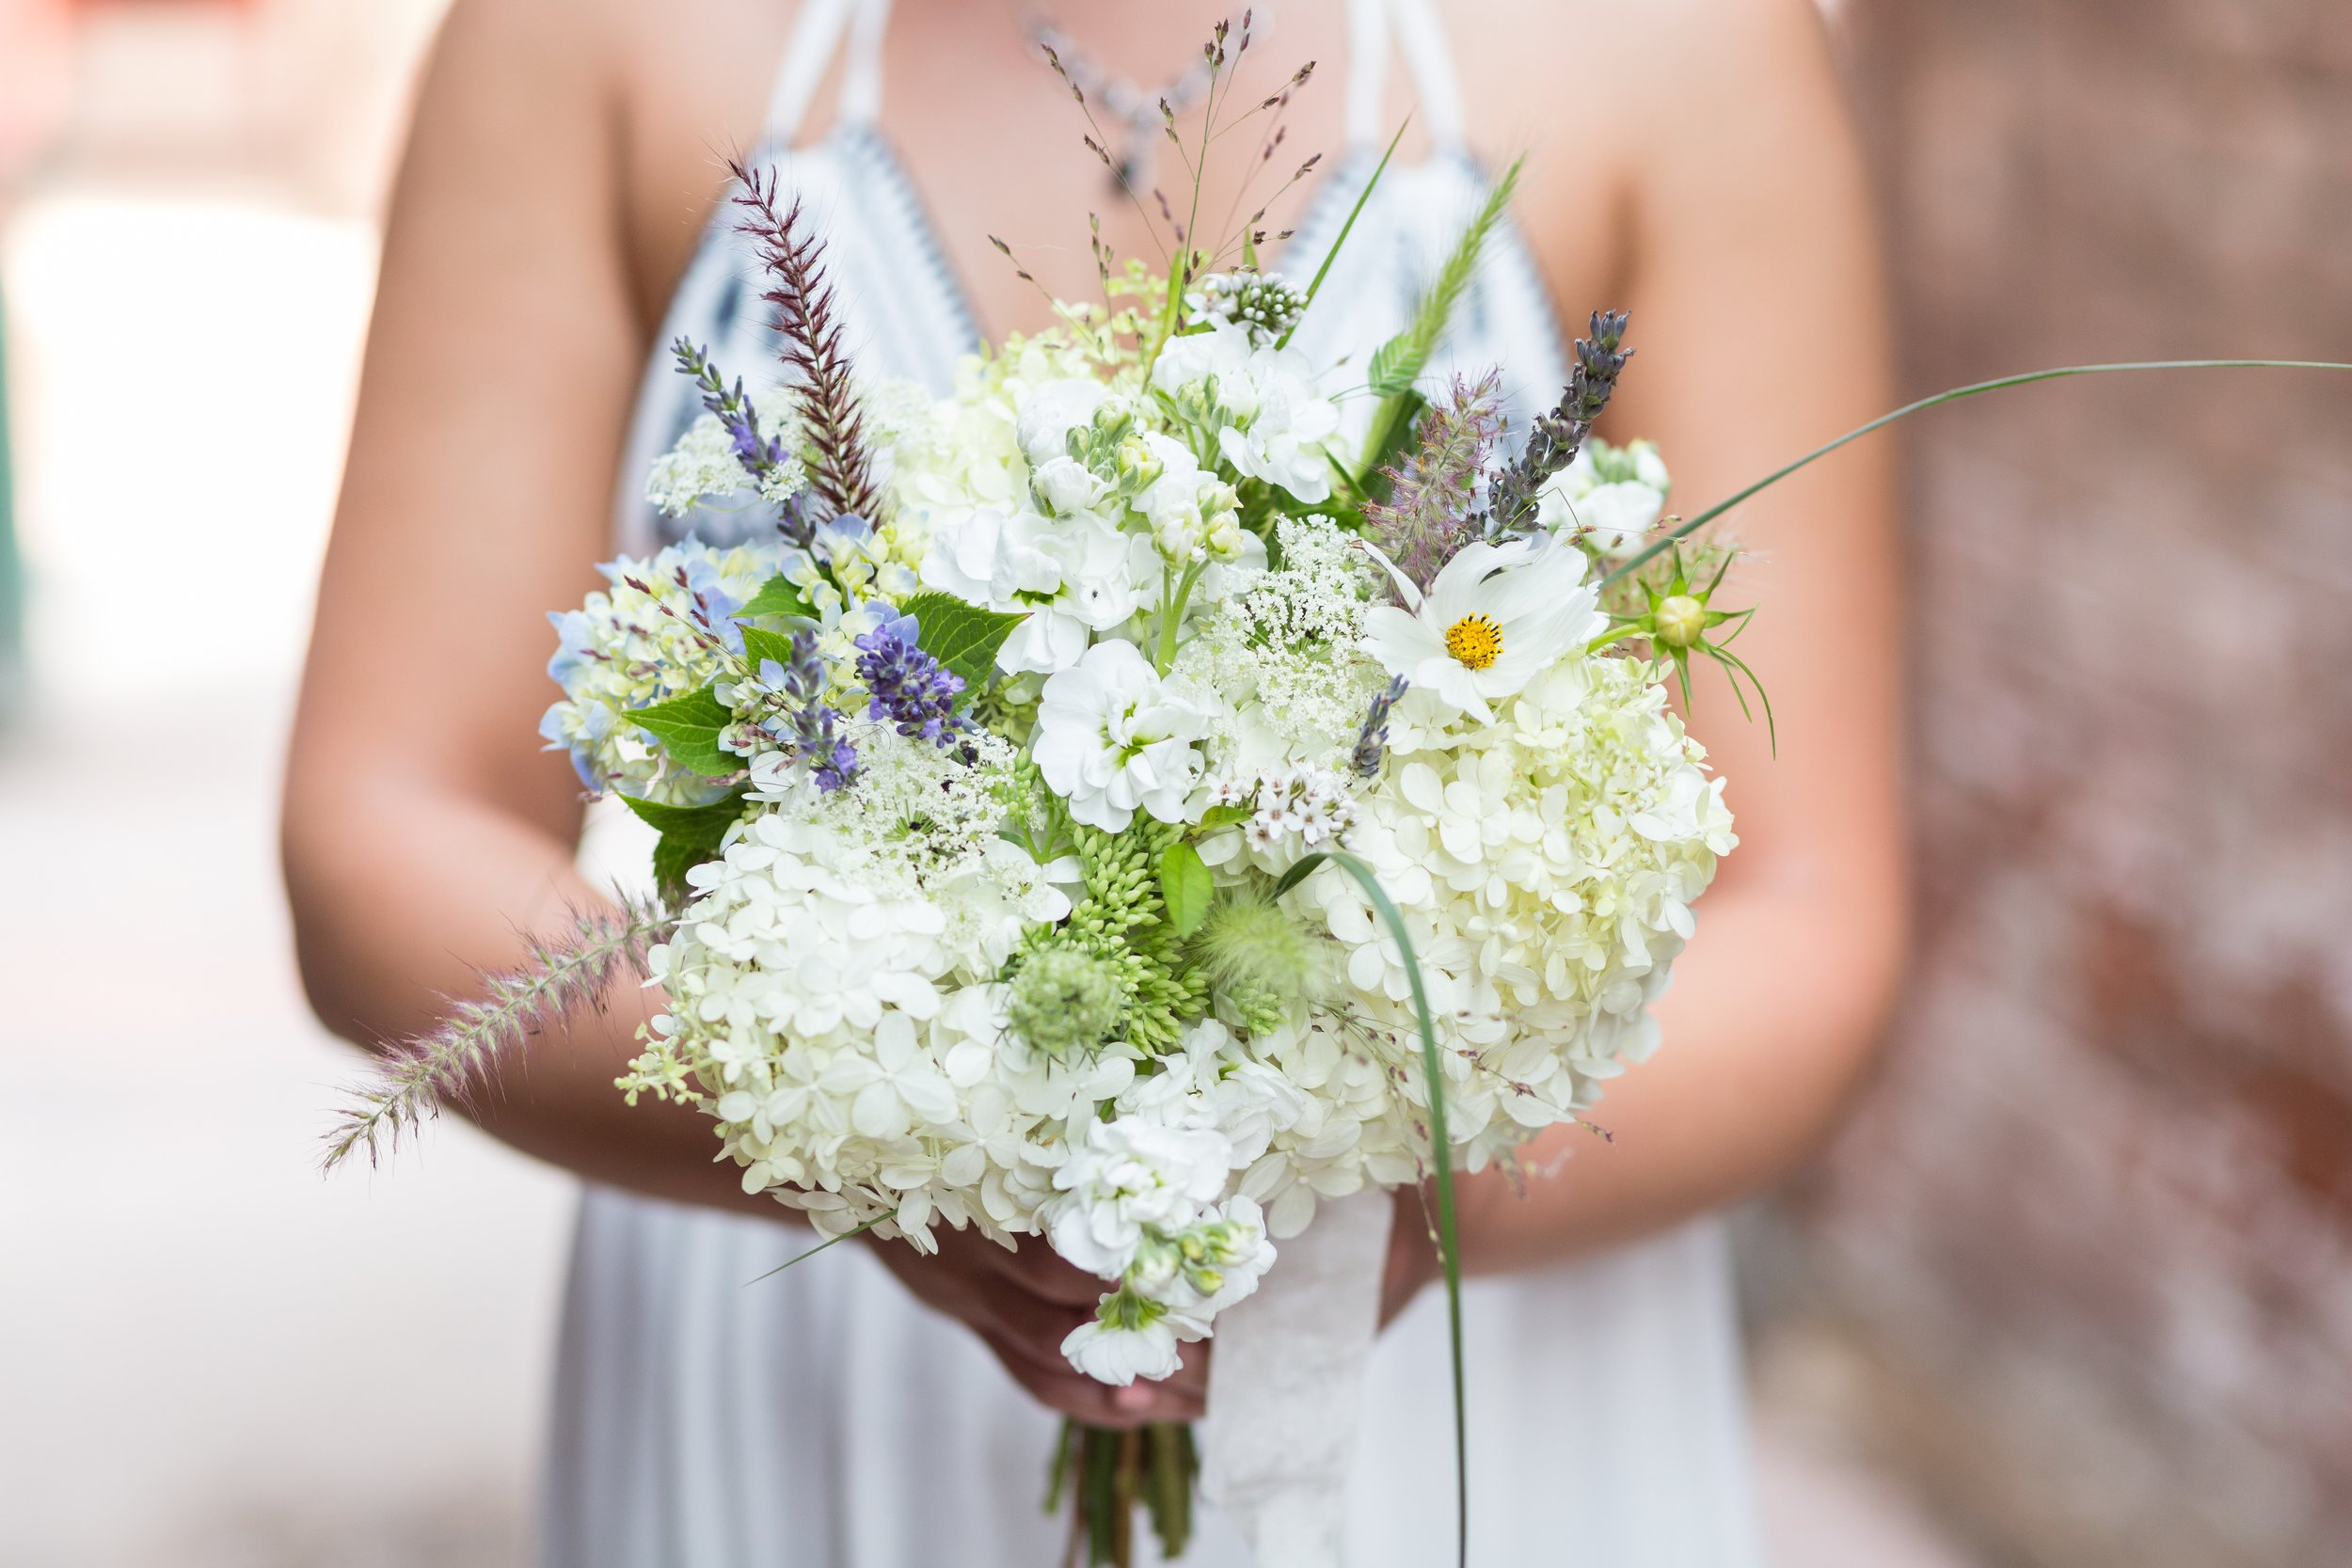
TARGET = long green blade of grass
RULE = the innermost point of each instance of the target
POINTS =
(1692, 525)
(1346, 229)
(1440, 1161)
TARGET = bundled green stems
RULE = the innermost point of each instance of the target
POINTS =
(1107, 1475)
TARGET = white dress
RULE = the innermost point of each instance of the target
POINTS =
(708, 1418)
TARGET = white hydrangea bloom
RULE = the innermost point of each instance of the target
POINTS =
(1546, 865)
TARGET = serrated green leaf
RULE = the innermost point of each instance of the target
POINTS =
(688, 728)
(962, 637)
(1223, 816)
(1397, 365)
(760, 645)
(1185, 888)
(779, 595)
(690, 834)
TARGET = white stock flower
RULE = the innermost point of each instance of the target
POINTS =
(1113, 736)
(1118, 1355)
(1049, 413)
(1074, 578)
(1271, 424)
(1131, 1175)
(1497, 616)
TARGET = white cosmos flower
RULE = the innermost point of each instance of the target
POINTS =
(1496, 617)
(1112, 736)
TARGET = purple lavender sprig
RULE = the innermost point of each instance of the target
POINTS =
(841, 470)
(1433, 495)
(1557, 436)
(760, 457)
(1371, 741)
(911, 689)
(830, 754)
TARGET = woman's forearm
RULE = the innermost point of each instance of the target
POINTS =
(392, 920)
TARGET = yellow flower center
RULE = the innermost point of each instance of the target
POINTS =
(1475, 641)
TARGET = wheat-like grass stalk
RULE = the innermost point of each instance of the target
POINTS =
(449, 1063)
(842, 474)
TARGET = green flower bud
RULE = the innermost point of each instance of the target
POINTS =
(1682, 620)
(1065, 1001)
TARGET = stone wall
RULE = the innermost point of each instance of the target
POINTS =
(2092, 1231)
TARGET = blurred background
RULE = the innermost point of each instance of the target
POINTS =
(2075, 1289)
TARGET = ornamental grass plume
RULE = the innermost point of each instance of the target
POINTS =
(414, 1078)
(842, 473)
(1557, 436)
(1433, 495)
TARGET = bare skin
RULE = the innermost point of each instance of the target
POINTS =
(564, 162)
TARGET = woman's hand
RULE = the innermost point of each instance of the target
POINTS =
(1023, 1305)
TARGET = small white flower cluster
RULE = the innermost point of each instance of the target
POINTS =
(1270, 421)
(1610, 496)
(704, 467)
(630, 647)
(1294, 813)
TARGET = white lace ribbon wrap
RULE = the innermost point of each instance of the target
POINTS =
(1286, 1381)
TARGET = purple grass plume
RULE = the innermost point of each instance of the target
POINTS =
(1433, 497)
(450, 1063)
(842, 474)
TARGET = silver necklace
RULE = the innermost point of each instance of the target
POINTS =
(1134, 112)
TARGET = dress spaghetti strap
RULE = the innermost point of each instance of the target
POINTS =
(1416, 27)
(817, 37)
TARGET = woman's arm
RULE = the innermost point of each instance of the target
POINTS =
(423, 829)
(1752, 273)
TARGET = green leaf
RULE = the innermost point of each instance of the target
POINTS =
(780, 595)
(1393, 426)
(760, 645)
(1185, 887)
(688, 728)
(1397, 365)
(962, 637)
(690, 834)
(1223, 817)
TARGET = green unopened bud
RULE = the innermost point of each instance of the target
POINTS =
(1065, 1001)
(1682, 620)
(1137, 464)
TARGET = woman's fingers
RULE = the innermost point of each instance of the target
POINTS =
(1037, 1269)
